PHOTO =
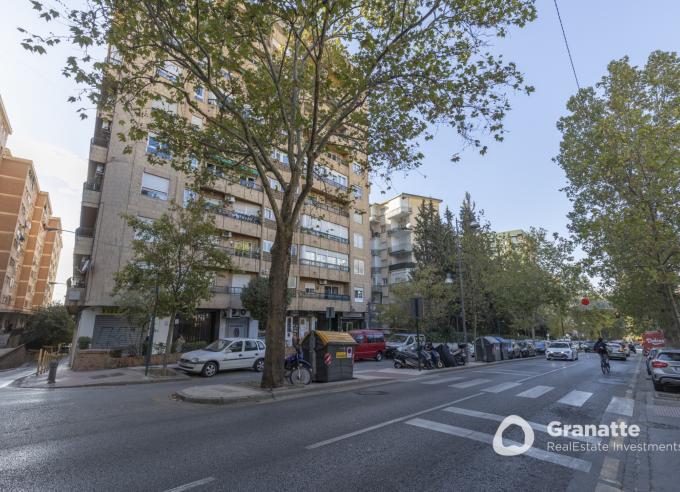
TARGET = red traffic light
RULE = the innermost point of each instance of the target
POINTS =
(585, 301)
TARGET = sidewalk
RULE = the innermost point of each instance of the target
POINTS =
(251, 392)
(66, 378)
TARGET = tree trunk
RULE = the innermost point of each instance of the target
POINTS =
(168, 343)
(675, 336)
(272, 377)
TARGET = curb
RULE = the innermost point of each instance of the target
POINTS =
(340, 386)
(19, 383)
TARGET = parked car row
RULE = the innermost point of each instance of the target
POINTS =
(663, 365)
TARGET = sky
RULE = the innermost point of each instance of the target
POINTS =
(515, 183)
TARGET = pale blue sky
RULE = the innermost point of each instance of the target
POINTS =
(516, 183)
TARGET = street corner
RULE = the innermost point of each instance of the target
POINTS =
(220, 394)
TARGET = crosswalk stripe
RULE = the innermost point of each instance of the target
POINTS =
(499, 418)
(575, 398)
(558, 459)
(468, 384)
(536, 391)
(512, 373)
(442, 380)
(622, 406)
(500, 387)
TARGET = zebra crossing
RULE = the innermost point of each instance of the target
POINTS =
(574, 398)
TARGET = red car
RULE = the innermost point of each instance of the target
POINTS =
(370, 344)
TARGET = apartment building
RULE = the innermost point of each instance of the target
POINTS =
(391, 224)
(5, 127)
(29, 250)
(330, 253)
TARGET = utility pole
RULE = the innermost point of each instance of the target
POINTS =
(459, 254)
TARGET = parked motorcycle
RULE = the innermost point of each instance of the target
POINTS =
(458, 357)
(408, 358)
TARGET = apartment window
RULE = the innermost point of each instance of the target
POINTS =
(356, 167)
(157, 148)
(358, 267)
(189, 196)
(141, 235)
(194, 162)
(292, 282)
(310, 288)
(277, 155)
(168, 71)
(197, 121)
(199, 93)
(275, 185)
(358, 294)
(358, 240)
(267, 246)
(358, 192)
(163, 105)
(358, 217)
(155, 186)
(325, 228)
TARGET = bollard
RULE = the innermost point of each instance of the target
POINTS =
(52, 375)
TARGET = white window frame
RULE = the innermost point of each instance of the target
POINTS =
(152, 190)
(360, 216)
(358, 240)
(359, 267)
(360, 297)
(199, 93)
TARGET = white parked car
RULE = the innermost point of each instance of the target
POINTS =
(225, 353)
(561, 351)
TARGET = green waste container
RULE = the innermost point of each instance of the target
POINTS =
(334, 355)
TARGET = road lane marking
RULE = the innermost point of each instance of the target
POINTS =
(546, 373)
(469, 384)
(536, 391)
(575, 398)
(500, 387)
(191, 485)
(442, 380)
(621, 406)
(612, 381)
(540, 454)
(499, 418)
(512, 373)
(389, 422)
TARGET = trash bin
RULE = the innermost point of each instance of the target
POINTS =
(505, 348)
(487, 349)
(334, 355)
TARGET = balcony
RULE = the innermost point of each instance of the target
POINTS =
(330, 208)
(99, 149)
(312, 301)
(402, 266)
(319, 264)
(399, 212)
(399, 230)
(83, 242)
(224, 296)
(250, 184)
(401, 249)
(91, 193)
(323, 295)
(325, 235)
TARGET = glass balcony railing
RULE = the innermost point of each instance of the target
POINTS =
(320, 264)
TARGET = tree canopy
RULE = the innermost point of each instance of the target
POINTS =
(48, 326)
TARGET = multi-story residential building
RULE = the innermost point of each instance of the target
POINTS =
(5, 127)
(514, 236)
(25, 216)
(392, 259)
(330, 248)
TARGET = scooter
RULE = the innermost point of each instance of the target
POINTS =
(409, 358)
(458, 357)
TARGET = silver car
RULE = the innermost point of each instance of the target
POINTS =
(666, 368)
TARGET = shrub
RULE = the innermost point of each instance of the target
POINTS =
(189, 346)
(116, 353)
(84, 343)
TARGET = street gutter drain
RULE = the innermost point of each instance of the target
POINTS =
(371, 393)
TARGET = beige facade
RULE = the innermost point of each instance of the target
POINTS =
(25, 213)
(392, 259)
(330, 264)
(5, 127)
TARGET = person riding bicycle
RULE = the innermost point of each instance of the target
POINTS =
(601, 348)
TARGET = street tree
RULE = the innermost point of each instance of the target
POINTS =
(48, 326)
(290, 82)
(255, 298)
(620, 151)
(178, 257)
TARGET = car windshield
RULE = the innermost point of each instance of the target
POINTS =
(397, 338)
(218, 345)
(669, 356)
(559, 345)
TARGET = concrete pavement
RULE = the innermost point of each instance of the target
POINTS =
(429, 433)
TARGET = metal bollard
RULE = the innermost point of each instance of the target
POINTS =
(52, 375)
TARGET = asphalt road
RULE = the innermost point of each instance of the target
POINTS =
(422, 433)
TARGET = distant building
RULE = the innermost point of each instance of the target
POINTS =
(29, 250)
(392, 239)
(514, 236)
(5, 127)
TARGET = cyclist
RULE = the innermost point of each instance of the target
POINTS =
(601, 348)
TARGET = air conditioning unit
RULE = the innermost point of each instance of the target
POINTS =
(234, 313)
(231, 199)
(226, 234)
(244, 312)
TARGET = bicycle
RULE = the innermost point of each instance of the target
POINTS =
(604, 364)
(297, 370)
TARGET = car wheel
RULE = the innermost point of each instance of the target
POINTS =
(657, 386)
(397, 364)
(378, 356)
(209, 369)
(259, 365)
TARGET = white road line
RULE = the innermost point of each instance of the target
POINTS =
(536, 391)
(469, 384)
(389, 422)
(575, 398)
(540, 454)
(442, 380)
(191, 485)
(500, 387)
(513, 373)
(546, 373)
(622, 406)
(534, 425)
